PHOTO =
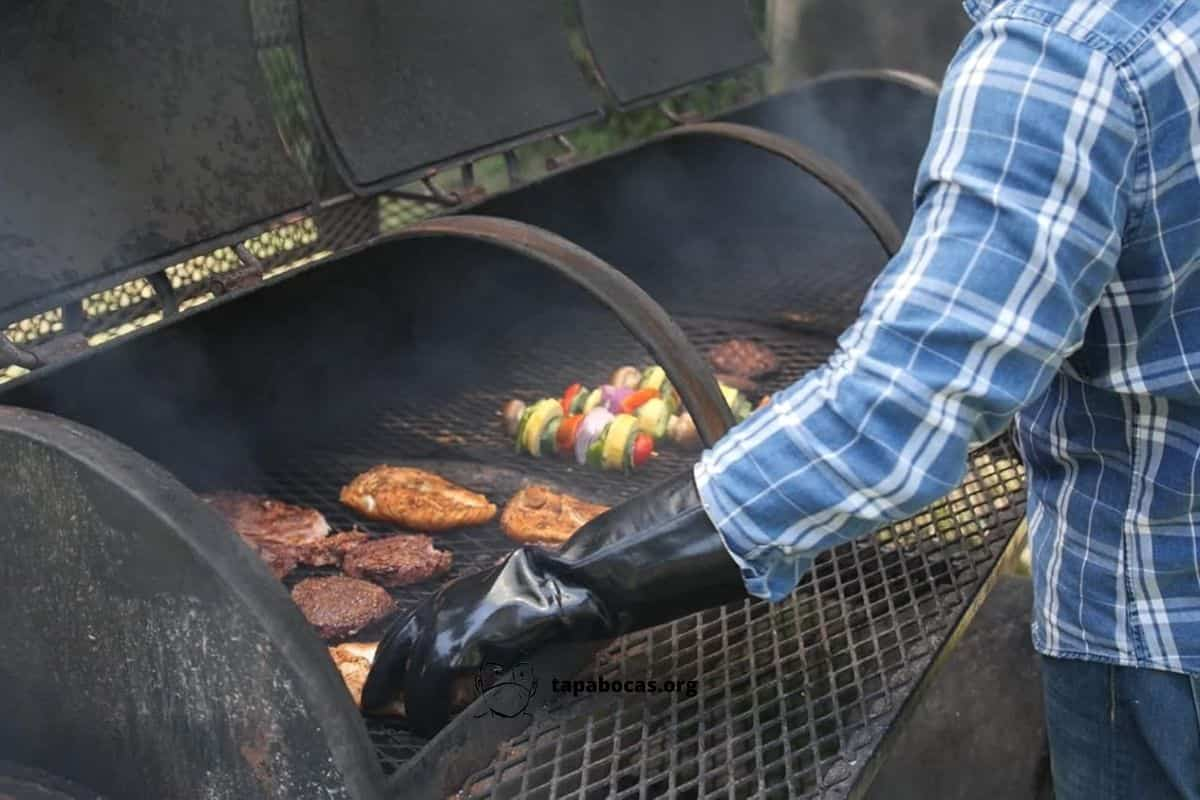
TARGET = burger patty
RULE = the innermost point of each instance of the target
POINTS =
(398, 560)
(416, 499)
(743, 358)
(339, 607)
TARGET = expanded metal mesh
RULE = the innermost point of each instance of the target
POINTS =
(791, 700)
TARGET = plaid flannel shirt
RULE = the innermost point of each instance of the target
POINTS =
(1051, 275)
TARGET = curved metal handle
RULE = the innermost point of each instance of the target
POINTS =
(638, 312)
(912, 80)
(830, 175)
(12, 354)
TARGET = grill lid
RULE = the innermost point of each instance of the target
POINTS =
(645, 49)
(403, 87)
(134, 130)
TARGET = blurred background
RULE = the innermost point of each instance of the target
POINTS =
(809, 37)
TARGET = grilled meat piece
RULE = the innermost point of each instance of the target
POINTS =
(279, 558)
(415, 499)
(354, 659)
(330, 551)
(339, 607)
(743, 358)
(538, 515)
(280, 533)
(261, 519)
(397, 560)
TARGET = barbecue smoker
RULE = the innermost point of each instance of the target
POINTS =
(233, 256)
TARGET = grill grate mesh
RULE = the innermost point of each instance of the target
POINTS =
(791, 699)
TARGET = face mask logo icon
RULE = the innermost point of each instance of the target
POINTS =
(506, 695)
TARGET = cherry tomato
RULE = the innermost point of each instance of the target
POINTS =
(564, 440)
(569, 396)
(643, 446)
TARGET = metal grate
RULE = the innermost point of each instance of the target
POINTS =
(793, 697)
(792, 700)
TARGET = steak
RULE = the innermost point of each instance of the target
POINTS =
(398, 560)
(339, 606)
(261, 519)
(330, 551)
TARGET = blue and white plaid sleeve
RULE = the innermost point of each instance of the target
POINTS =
(1021, 202)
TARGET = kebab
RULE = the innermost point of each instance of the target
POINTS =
(614, 426)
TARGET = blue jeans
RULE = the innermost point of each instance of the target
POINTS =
(1118, 733)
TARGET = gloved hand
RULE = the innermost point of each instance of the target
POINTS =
(652, 559)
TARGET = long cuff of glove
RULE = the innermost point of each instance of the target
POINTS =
(671, 562)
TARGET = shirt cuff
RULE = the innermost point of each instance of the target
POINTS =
(768, 573)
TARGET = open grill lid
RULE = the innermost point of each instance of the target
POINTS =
(404, 87)
(131, 132)
(143, 136)
(647, 49)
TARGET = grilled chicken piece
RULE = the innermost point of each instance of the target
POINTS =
(339, 607)
(743, 358)
(415, 499)
(397, 560)
(354, 659)
(538, 515)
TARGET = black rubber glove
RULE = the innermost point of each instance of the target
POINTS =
(652, 559)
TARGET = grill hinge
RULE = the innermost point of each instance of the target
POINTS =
(249, 274)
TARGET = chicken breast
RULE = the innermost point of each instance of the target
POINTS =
(415, 499)
(538, 515)
(354, 659)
